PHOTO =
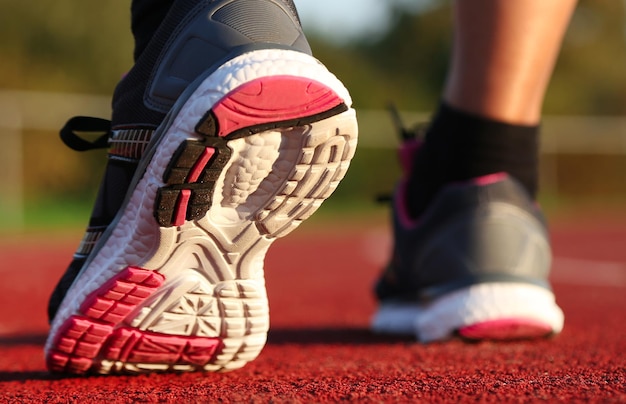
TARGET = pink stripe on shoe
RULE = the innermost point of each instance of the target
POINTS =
(96, 335)
(489, 178)
(81, 338)
(406, 155)
(401, 207)
(180, 214)
(273, 99)
(114, 300)
(203, 160)
(134, 346)
(400, 201)
(506, 329)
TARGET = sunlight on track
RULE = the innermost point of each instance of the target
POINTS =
(574, 271)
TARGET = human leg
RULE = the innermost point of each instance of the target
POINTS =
(471, 251)
(503, 56)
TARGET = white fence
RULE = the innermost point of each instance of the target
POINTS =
(27, 110)
(24, 110)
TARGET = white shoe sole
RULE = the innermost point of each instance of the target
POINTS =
(498, 311)
(177, 284)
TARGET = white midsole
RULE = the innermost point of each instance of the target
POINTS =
(439, 319)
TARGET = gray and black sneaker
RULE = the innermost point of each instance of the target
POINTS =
(226, 135)
(474, 264)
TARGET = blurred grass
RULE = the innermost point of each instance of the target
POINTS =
(54, 215)
(62, 199)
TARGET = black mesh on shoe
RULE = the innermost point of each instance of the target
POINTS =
(113, 188)
(62, 286)
(292, 7)
(247, 23)
(146, 17)
(128, 106)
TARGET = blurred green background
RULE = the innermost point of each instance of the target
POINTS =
(64, 57)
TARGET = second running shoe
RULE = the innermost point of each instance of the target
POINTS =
(255, 135)
(474, 264)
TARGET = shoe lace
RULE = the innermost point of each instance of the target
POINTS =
(406, 135)
(79, 125)
(416, 132)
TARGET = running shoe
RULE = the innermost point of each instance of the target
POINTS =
(475, 263)
(226, 135)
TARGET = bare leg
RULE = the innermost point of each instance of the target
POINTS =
(503, 57)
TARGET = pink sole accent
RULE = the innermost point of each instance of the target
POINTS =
(181, 207)
(406, 154)
(130, 345)
(402, 209)
(114, 300)
(197, 168)
(78, 342)
(490, 178)
(272, 99)
(82, 341)
(506, 329)
(400, 204)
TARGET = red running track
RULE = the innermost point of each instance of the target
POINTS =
(319, 347)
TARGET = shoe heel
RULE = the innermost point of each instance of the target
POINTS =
(225, 199)
(242, 159)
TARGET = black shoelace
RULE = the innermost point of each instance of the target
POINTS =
(71, 133)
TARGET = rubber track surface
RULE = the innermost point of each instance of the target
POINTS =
(319, 348)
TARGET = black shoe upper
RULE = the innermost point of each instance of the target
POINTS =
(472, 233)
(194, 37)
(488, 229)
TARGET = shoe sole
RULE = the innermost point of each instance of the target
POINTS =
(489, 311)
(176, 283)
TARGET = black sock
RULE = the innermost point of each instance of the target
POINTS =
(460, 146)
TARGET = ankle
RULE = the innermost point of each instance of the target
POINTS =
(460, 146)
